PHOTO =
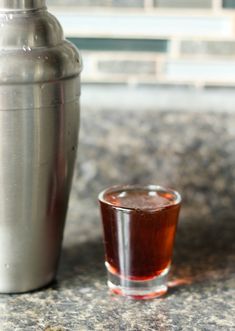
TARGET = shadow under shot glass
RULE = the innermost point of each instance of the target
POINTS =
(139, 224)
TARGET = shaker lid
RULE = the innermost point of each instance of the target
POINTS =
(32, 45)
(16, 5)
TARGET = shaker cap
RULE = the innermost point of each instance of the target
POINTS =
(19, 5)
(32, 45)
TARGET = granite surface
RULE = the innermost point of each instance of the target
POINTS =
(194, 153)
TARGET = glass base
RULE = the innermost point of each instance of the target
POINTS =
(138, 289)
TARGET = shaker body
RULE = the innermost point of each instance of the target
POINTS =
(39, 123)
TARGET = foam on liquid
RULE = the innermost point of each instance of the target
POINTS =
(140, 199)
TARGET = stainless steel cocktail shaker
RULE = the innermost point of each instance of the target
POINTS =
(39, 121)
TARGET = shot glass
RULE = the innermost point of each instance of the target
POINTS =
(139, 225)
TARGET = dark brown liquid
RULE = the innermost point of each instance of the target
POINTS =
(139, 242)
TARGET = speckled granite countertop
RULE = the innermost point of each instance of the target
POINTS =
(194, 153)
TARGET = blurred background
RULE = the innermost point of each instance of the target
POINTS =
(164, 44)
(158, 98)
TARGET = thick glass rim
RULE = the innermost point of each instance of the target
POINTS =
(156, 188)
